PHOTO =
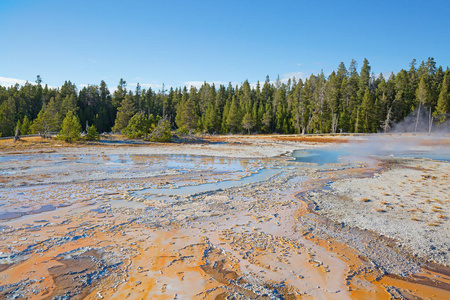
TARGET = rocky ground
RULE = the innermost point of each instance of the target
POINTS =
(74, 224)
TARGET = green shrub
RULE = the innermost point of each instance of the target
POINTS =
(162, 132)
(92, 134)
(138, 126)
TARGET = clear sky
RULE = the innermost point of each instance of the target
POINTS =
(183, 42)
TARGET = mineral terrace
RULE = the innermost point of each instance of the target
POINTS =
(226, 217)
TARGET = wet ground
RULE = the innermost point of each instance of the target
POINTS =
(133, 223)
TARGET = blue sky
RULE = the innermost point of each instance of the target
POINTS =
(185, 42)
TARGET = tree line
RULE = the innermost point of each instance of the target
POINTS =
(344, 101)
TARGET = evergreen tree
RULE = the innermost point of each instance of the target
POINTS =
(421, 96)
(224, 125)
(364, 77)
(71, 128)
(92, 134)
(7, 117)
(234, 119)
(443, 103)
(366, 111)
(105, 116)
(120, 93)
(319, 104)
(255, 120)
(180, 109)
(68, 89)
(124, 113)
(279, 117)
(69, 103)
(352, 94)
(162, 132)
(138, 98)
(211, 121)
(247, 122)
(25, 128)
(267, 117)
(48, 119)
(138, 126)
(187, 117)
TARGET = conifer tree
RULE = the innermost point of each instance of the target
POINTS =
(421, 96)
(211, 121)
(120, 93)
(364, 77)
(189, 114)
(233, 119)
(71, 128)
(124, 113)
(162, 132)
(92, 134)
(366, 111)
(25, 128)
(224, 125)
(267, 117)
(247, 122)
(138, 126)
(443, 103)
(7, 117)
(69, 103)
(48, 119)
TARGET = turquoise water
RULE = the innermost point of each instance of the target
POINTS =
(348, 153)
(320, 156)
(262, 175)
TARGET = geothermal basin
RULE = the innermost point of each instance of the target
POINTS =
(238, 217)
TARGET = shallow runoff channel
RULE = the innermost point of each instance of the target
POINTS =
(318, 158)
(189, 190)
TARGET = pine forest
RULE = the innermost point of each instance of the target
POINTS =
(349, 100)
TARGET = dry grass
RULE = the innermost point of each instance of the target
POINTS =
(32, 142)
(441, 216)
(414, 218)
(312, 139)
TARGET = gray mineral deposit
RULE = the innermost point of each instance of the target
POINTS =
(238, 218)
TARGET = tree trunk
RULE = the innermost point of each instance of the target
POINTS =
(417, 119)
(430, 121)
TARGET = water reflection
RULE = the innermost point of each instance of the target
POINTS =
(320, 156)
(261, 175)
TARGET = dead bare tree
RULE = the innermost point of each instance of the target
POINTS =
(430, 121)
(418, 117)
(334, 122)
(387, 123)
(321, 99)
(16, 135)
